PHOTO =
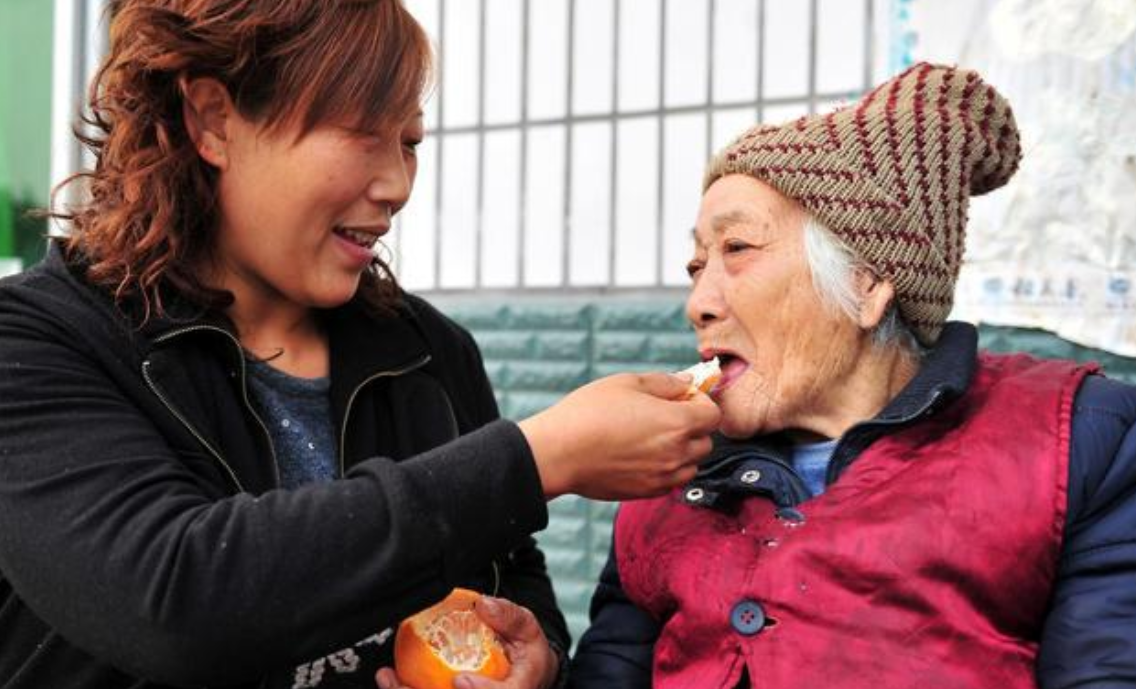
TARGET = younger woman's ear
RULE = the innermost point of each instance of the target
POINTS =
(876, 294)
(207, 110)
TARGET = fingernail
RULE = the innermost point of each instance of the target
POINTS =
(461, 682)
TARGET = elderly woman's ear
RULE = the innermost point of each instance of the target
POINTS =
(876, 294)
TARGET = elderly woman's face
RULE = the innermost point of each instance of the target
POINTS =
(784, 354)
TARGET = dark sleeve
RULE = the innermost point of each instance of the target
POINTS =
(1089, 639)
(524, 577)
(112, 540)
(523, 574)
(617, 650)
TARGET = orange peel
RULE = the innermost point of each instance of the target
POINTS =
(435, 645)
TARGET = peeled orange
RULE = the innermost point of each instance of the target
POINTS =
(706, 375)
(433, 646)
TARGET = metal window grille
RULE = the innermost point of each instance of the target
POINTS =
(79, 41)
(566, 138)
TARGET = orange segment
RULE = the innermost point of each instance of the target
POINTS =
(706, 376)
(433, 646)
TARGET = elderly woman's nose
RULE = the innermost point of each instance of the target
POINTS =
(705, 304)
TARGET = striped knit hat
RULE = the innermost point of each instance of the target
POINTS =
(892, 176)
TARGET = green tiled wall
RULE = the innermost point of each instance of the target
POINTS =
(25, 127)
(538, 348)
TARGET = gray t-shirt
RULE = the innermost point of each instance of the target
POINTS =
(297, 412)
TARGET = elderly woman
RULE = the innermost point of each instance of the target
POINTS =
(889, 506)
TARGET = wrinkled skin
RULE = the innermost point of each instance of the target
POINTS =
(790, 363)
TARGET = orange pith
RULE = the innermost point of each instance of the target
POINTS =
(433, 646)
(708, 384)
(706, 375)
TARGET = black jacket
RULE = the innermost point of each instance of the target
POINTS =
(1089, 636)
(143, 541)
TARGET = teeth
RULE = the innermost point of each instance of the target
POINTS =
(364, 239)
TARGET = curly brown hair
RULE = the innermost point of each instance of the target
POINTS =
(148, 221)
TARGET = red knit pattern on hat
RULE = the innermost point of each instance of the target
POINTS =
(892, 176)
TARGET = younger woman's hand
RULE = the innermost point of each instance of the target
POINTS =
(622, 437)
(533, 663)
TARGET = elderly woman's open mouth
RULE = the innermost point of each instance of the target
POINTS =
(733, 367)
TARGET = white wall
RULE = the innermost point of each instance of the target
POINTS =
(602, 191)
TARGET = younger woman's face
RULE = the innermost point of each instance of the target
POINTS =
(299, 219)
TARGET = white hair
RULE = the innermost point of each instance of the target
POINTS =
(833, 267)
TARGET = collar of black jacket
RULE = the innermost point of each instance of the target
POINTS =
(362, 344)
(944, 374)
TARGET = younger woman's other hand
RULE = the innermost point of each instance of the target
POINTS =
(533, 663)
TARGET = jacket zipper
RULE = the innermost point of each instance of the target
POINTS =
(244, 398)
(351, 400)
(188, 426)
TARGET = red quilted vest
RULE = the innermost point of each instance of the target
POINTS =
(929, 563)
